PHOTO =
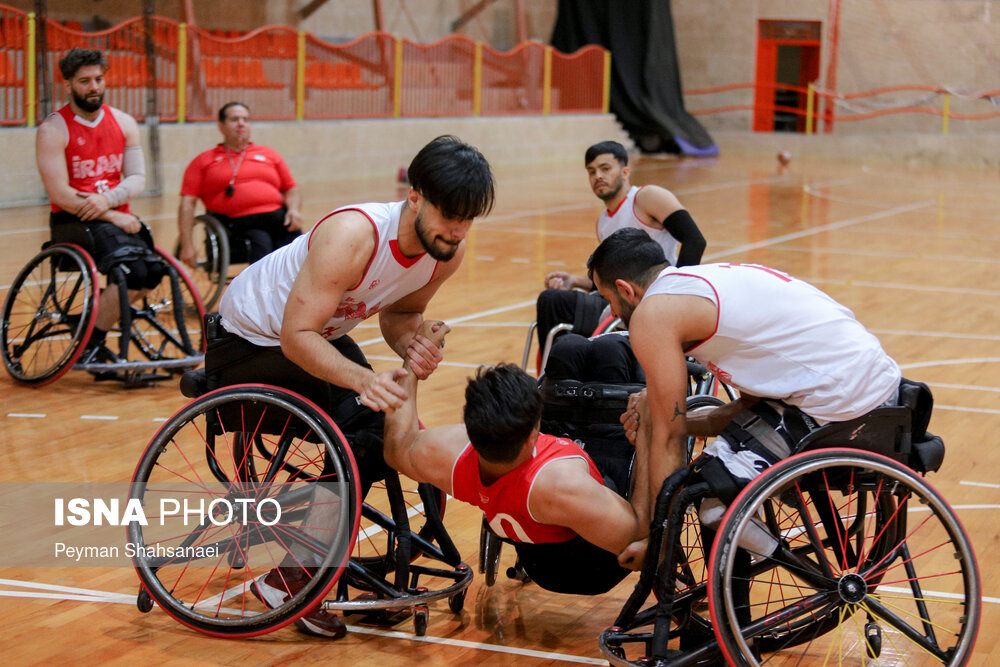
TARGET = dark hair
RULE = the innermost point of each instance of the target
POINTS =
(454, 177)
(502, 407)
(226, 107)
(77, 58)
(603, 147)
(628, 254)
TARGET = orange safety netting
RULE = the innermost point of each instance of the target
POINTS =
(437, 79)
(578, 81)
(512, 80)
(353, 80)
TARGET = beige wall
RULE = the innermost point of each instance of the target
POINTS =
(320, 151)
(947, 43)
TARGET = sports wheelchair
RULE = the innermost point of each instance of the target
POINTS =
(588, 413)
(291, 470)
(841, 551)
(51, 307)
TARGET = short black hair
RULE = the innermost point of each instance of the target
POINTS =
(603, 147)
(225, 107)
(502, 407)
(70, 63)
(454, 177)
(628, 254)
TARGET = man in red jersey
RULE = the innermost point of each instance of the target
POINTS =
(91, 163)
(247, 187)
(543, 493)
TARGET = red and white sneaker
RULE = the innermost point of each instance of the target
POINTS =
(278, 585)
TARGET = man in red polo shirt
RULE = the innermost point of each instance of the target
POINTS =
(247, 187)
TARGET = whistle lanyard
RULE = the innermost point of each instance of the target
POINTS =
(236, 169)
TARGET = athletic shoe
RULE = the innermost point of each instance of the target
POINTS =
(277, 587)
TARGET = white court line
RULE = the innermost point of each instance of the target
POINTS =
(968, 387)
(461, 643)
(959, 408)
(933, 594)
(950, 362)
(924, 508)
(100, 417)
(59, 588)
(988, 485)
(453, 364)
(27, 415)
(934, 334)
(123, 599)
(822, 228)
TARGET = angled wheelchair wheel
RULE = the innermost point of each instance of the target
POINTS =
(245, 483)
(48, 314)
(695, 404)
(211, 243)
(840, 555)
(489, 553)
(167, 324)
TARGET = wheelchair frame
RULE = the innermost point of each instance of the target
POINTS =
(265, 442)
(812, 544)
(52, 305)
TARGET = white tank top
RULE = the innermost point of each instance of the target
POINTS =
(624, 216)
(779, 337)
(254, 303)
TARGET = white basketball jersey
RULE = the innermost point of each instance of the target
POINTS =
(624, 216)
(779, 337)
(254, 303)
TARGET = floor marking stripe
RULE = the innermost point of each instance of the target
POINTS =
(817, 230)
(544, 655)
(27, 415)
(959, 408)
(99, 417)
(934, 334)
(950, 362)
(123, 599)
(58, 588)
(939, 594)
(988, 485)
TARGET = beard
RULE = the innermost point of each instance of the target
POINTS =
(612, 191)
(89, 104)
(430, 243)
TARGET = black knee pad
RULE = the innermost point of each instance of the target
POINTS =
(144, 273)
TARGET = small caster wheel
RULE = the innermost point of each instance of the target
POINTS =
(617, 651)
(143, 601)
(873, 639)
(420, 620)
(456, 602)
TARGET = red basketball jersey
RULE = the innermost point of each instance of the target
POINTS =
(505, 502)
(94, 152)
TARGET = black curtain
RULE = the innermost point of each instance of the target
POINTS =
(645, 77)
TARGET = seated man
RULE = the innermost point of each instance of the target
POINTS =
(653, 209)
(247, 187)
(540, 492)
(90, 160)
(771, 336)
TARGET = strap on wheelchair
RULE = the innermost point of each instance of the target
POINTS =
(585, 402)
(762, 430)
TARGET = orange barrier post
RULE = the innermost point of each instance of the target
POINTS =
(606, 91)
(397, 83)
(29, 97)
(300, 77)
(944, 114)
(477, 81)
(181, 73)
(810, 106)
(547, 83)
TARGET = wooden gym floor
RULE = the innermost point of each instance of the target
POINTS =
(914, 253)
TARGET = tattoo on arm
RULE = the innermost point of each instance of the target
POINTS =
(677, 412)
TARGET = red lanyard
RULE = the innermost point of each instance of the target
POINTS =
(236, 169)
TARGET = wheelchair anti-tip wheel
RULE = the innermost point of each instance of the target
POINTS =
(211, 244)
(48, 314)
(840, 555)
(244, 482)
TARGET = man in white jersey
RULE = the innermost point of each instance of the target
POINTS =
(285, 319)
(651, 208)
(790, 349)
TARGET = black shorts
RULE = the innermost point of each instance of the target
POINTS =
(110, 246)
(251, 237)
(576, 566)
(231, 360)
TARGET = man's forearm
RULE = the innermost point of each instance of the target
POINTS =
(314, 354)
(399, 328)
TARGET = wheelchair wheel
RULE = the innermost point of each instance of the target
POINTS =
(244, 482)
(489, 553)
(211, 243)
(168, 323)
(48, 314)
(849, 543)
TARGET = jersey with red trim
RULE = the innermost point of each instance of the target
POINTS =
(624, 216)
(505, 501)
(95, 151)
(254, 303)
(261, 179)
(780, 337)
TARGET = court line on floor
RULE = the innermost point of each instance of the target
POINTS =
(987, 485)
(950, 362)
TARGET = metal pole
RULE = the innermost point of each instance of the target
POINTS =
(42, 64)
(152, 112)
